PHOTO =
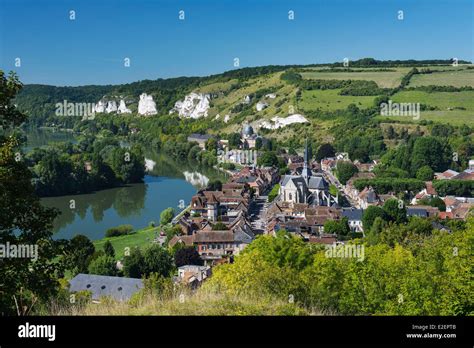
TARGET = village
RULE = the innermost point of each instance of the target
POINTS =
(219, 224)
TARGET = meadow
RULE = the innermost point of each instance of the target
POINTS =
(330, 100)
(456, 78)
(141, 238)
(384, 79)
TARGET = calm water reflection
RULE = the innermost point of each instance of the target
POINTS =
(166, 184)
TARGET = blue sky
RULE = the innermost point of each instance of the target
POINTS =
(92, 48)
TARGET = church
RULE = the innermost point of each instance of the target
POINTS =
(306, 187)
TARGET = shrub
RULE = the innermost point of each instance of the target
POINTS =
(120, 230)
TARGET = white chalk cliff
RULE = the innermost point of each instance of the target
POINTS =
(122, 109)
(100, 107)
(111, 106)
(194, 105)
(280, 122)
(146, 105)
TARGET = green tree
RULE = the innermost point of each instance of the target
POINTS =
(425, 173)
(23, 220)
(429, 151)
(103, 265)
(395, 211)
(157, 260)
(268, 159)
(187, 256)
(109, 249)
(211, 145)
(345, 170)
(166, 216)
(80, 250)
(133, 264)
(370, 214)
(324, 151)
(341, 227)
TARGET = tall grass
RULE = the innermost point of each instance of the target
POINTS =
(200, 303)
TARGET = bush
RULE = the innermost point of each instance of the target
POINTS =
(273, 193)
(103, 265)
(121, 230)
(166, 216)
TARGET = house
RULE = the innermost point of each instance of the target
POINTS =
(354, 217)
(471, 164)
(428, 192)
(328, 164)
(193, 275)
(468, 174)
(446, 175)
(201, 139)
(420, 212)
(364, 167)
(367, 197)
(118, 288)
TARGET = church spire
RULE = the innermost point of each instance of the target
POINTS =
(306, 171)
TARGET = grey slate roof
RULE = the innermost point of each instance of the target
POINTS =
(417, 212)
(196, 136)
(118, 288)
(353, 214)
(315, 182)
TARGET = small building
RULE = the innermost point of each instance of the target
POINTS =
(193, 275)
(118, 288)
(201, 139)
(446, 175)
(354, 217)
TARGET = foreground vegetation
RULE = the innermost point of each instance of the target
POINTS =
(409, 269)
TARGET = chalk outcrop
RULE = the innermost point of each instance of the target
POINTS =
(111, 106)
(122, 109)
(194, 105)
(280, 122)
(100, 106)
(146, 105)
(261, 105)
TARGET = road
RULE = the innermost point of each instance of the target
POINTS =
(257, 213)
(334, 181)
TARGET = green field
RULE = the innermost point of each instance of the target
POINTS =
(330, 100)
(455, 118)
(444, 101)
(140, 238)
(456, 78)
(384, 79)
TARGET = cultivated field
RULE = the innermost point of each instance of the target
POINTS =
(384, 79)
(330, 100)
(456, 78)
(444, 101)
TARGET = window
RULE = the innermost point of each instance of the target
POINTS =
(102, 287)
(289, 196)
(120, 288)
(88, 286)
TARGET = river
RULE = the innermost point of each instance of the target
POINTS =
(167, 184)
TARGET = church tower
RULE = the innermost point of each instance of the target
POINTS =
(306, 173)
